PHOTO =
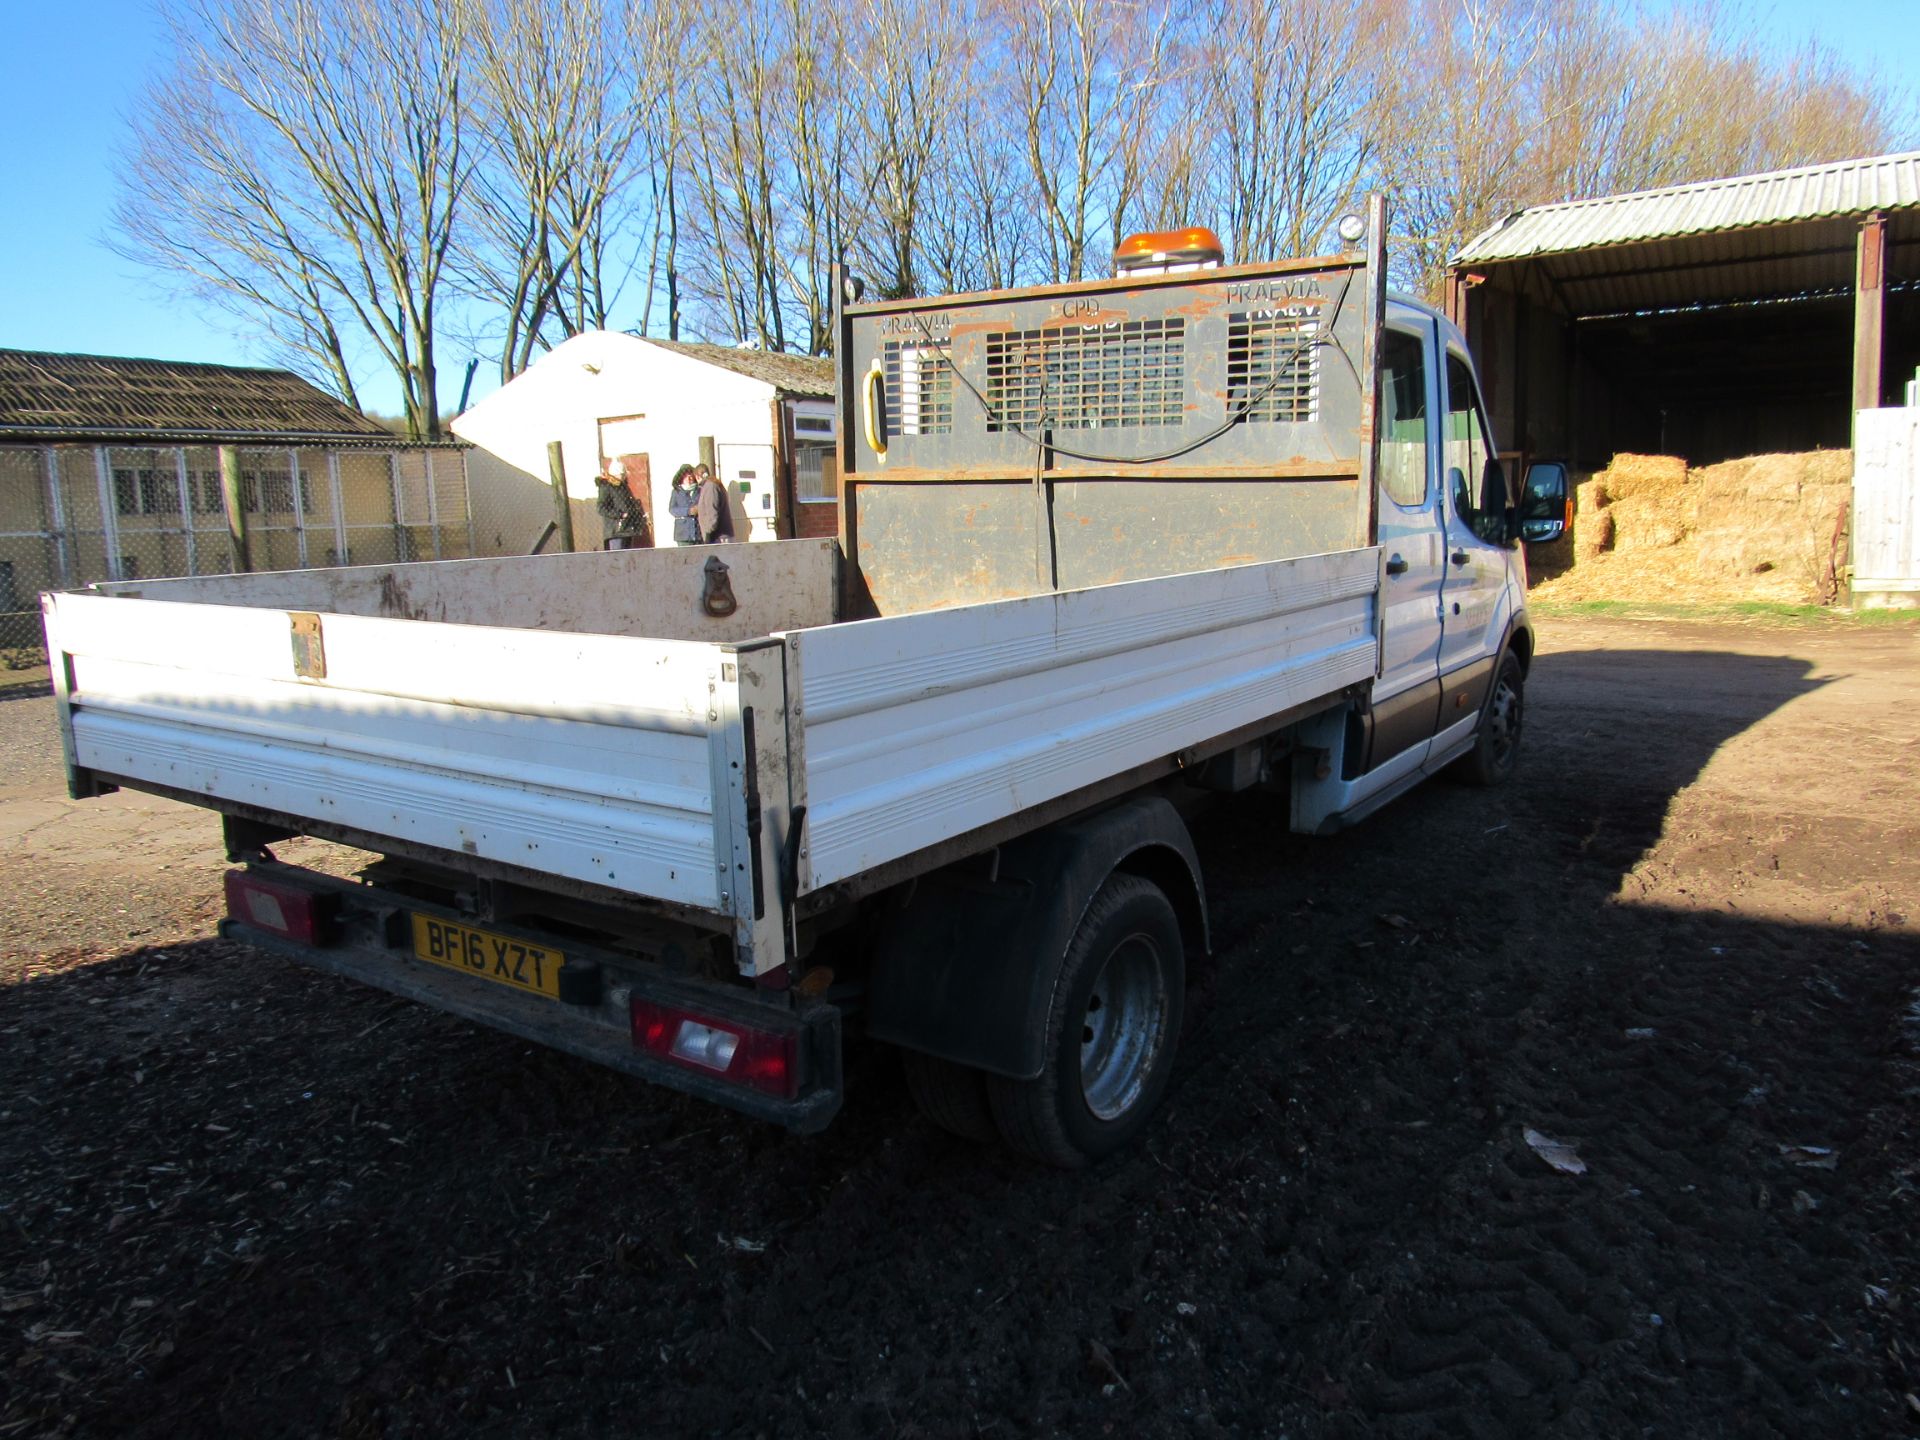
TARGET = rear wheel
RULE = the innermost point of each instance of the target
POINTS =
(1496, 748)
(952, 1096)
(1110, 1032)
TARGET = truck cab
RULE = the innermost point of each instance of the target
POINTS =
(1454, 584)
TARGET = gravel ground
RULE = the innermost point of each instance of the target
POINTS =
(239, 1198)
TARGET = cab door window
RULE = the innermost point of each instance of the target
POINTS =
(1403, 420)
(1474, 481)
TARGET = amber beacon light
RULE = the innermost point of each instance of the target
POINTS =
(1165, 252)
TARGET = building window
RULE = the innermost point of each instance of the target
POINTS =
(204, 486)
(270, 492)
(813, 477)
(146, 491)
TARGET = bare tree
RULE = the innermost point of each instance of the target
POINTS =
(976, 224)
(906, 51)
(661, 29)
(1080, 71)
(556, 100)
(336, 173)
(735, 167)
(819, 141)
(198, 203)
(1287, 88)
(344, 119)
(1457, 127)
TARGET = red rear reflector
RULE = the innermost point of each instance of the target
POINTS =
(279, 909)
(726, 1049)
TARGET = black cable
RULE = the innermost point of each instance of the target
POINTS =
(1322, 339)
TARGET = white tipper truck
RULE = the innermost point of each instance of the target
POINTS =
(694, 813)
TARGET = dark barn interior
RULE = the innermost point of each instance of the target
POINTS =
(1711, 321)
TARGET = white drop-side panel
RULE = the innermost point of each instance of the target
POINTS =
(918, 728)
(583, 756)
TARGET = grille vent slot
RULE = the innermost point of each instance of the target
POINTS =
(1088, 377)
(919, 389)
(1268, 348)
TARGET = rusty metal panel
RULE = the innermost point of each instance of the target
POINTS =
(1250, 370)
(1067, 436)
(1113, 530)
(931, 546)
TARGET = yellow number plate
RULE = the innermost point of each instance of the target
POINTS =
(499, 958)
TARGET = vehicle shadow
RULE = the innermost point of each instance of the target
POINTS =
(25, 689)
(242, 1197)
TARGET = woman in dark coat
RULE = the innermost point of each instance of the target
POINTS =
(680, 505)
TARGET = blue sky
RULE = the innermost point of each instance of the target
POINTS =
(70, 72)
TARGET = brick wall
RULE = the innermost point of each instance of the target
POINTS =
(816, 519)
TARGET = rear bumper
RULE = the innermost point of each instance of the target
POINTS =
(368, 946)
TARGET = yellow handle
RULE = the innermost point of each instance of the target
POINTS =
(870, 396)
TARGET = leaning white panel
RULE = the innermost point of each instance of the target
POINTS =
(918, 728)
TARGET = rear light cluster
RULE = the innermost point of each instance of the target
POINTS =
(281, 909)
(765, 1060)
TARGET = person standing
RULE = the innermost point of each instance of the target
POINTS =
(710, 508)
(623, 521)
(680, 505)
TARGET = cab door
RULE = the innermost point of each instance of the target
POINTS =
(1406, 698)
(1474, 584)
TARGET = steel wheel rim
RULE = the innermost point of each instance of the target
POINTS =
(1121, 1031)
(1503, 721)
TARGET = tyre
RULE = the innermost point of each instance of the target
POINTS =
(952, 1096)
(1496, 746)
(1110, 1030)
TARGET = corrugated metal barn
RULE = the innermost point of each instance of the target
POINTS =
(1712, 321)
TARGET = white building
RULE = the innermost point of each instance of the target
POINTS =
(642, 406)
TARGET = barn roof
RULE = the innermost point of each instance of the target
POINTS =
(1807, 192)
(45, 396)
(1779, 236)
(793, 374)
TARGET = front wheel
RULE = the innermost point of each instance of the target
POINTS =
(1111, 1029)
(1496, 748)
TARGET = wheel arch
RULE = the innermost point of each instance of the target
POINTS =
(1177, 876)
(1519, 643)
(963, 967)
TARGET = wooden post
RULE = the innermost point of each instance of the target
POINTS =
(336, 498)
(297, 500)
(236, 508)
(109, 510)
(706, 455)
(1869, 312)
(562, 512)
(786, 515)
(185, 483)
(57, 516)
(466, 499)
(433, 502)
(402, 541)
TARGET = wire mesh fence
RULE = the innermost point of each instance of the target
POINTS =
(76, 514)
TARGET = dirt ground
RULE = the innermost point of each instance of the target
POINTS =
(237, 1198)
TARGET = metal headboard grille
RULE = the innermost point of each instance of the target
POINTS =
(1088, 377)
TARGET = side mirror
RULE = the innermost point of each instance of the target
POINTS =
(1544, 510)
